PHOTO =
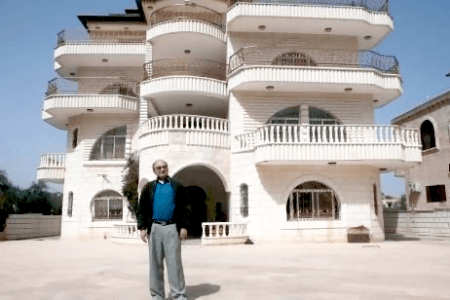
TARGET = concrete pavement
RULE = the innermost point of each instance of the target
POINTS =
(56, 268)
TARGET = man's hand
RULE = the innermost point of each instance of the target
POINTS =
(144, 235)
(183, 234)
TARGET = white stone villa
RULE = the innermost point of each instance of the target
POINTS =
(264, 109)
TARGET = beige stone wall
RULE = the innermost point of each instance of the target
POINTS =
(87, 178)
(250, 110)
(289, 41)
(269, 187)
(29, 226)
(434, 169)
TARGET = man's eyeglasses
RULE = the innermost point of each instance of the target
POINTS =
(161, 167)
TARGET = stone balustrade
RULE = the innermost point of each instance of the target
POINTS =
(53, 160)
(224, 233)
(331, 142)
(186, 130)
(126, 233)
(52, 167)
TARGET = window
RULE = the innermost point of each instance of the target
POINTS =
(111, 145)
(108, 205)
(294, 59)
(375, 199)
(427, 135)
(291, 115)
(243, 190)
(312, 200)
(436, 193)
(75, 138)
(70, 205)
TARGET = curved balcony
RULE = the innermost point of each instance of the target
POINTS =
(388, 147)
(187, 29)
(102, 48)
(368, 20)
(187, 132)
(52, 167)
(198, 82)
(68, 97)
(327, 70)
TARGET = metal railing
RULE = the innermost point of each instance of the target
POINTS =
(93, 85)
(83, 36)
(314, 58)
(192, 11)
(187, 67)
(371, 5)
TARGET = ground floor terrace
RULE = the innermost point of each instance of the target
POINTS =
(100, 269)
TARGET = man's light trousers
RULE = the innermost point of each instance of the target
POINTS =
(164, 242)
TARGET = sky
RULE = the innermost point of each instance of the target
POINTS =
(420, 41)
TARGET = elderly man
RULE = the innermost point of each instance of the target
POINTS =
(162, 219)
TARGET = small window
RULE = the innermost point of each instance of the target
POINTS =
(108, 205)
(111, 145)
(243, 189)
(375, 199)
(427, 135)
(436, 193)
(75, 138)
(70, 205)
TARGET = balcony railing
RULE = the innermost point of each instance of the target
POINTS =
(332, 142)
(371, 5)
(192, 11)
(194, 130)
(54, 160)
(93, 85)
(328, 134)
(185, 67)
(224, 233)
(251, 56)
(83, 36)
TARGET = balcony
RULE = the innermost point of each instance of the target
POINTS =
(187, 18)
(198, 84)
(312, 70)
(189, 133)
(368, 20)
(52, 167)
(68, 97)
(98, 48)
(388, 147)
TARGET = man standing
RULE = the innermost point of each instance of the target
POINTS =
(162, 219)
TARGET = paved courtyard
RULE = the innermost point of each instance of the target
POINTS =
(56, 268)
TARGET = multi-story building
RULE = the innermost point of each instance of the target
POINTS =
(427, 184)
(264, 109)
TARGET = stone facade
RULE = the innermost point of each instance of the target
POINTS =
(435, 167)
(267, 121)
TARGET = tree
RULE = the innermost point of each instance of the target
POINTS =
(36, 199)
(131, 182)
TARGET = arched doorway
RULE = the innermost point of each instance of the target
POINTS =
(207, 196)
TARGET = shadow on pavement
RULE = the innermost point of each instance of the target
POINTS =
(204, 289)
(400, 238)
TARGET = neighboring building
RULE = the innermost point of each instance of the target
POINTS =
(427, 184)
(264, 109)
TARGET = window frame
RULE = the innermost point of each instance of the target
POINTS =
(108, 196)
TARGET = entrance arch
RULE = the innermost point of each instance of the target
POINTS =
(208, 198)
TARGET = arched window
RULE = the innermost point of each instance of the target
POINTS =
(291, 115)
(111, 145)
(312, 200)
(243, 190)
(107, 205)
(427, 135)
(294, 59)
